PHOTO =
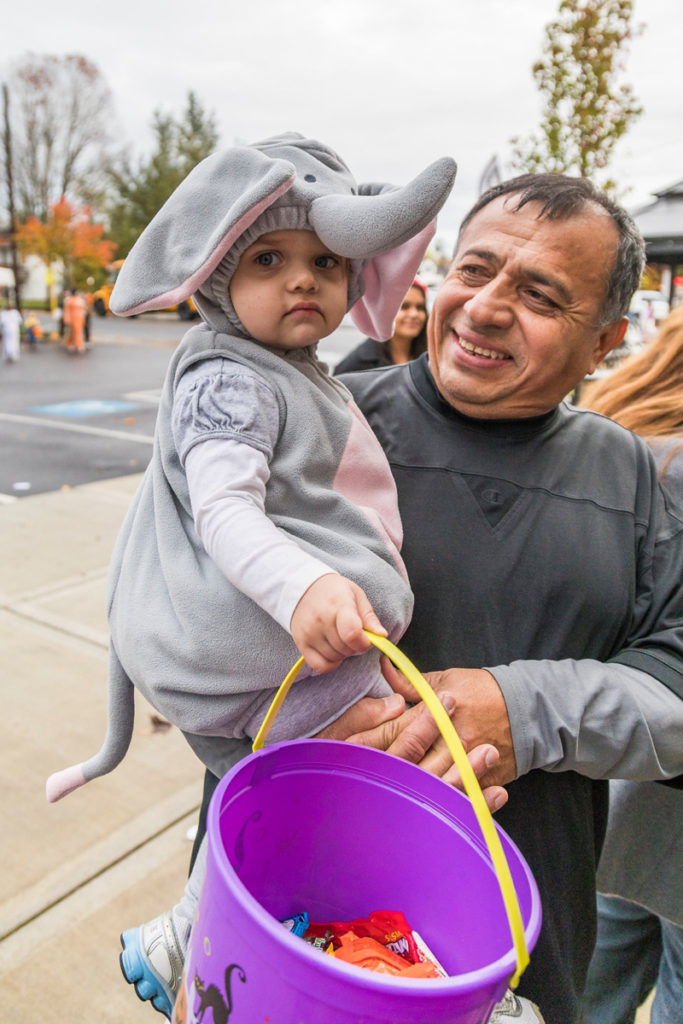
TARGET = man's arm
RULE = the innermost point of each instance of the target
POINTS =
(604, 721)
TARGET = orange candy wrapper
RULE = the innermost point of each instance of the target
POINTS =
(383, 942)
(373, 956)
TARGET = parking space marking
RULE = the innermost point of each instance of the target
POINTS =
(77, 428)
(84, 407)
(152, 397)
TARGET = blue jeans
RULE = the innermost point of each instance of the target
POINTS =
(635, 952)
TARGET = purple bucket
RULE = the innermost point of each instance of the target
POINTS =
(339, 831)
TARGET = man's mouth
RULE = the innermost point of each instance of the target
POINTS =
(478, 350)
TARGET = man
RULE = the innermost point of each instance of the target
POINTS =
(545, 564)
(537, 543)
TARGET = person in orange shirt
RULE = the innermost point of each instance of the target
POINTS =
(74, 319)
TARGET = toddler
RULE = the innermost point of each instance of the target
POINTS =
(266, 523)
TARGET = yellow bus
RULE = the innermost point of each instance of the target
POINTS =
(100, 298)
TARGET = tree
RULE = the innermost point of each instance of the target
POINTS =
(139, 194)
(70, 237)
(585, 110)
(61, 113)
(7, 150)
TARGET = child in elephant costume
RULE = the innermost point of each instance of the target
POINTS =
(267, 522)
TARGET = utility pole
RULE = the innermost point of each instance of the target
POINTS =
(10, 198)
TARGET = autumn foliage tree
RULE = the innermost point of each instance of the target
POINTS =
(69, 237)
(586, 110)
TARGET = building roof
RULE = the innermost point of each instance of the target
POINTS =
(661, 225)
(672, 190)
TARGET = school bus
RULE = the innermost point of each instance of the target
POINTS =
(100, 298)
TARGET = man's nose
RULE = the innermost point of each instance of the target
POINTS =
(489, 305)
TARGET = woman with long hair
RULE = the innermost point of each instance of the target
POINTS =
(645, 393)
(408, 341)
(640, 903)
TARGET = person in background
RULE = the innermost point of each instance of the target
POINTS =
(408, 341)
(640, 923)
(10, 323)
(34, 332)
(74, 321)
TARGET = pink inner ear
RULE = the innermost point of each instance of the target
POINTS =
(187, 287)
(387, 279)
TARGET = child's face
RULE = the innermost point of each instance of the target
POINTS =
(289, 290)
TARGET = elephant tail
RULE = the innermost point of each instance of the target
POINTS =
(121, 715)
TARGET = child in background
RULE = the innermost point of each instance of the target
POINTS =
(267, 521)
(34, 332)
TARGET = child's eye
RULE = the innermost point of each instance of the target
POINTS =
(267, 259)
(327, 262)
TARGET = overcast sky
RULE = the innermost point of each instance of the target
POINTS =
(390, 84)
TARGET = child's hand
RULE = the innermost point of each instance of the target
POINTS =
(327, 623)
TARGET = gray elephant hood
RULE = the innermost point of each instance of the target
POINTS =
(232, 196)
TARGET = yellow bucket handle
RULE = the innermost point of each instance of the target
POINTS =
(470, 782)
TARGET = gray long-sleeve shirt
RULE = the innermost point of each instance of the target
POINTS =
(559, 568)
(545, 551)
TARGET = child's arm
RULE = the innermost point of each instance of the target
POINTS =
(226, 424)
(324, 612)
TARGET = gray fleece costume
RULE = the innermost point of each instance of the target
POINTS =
(206, 656)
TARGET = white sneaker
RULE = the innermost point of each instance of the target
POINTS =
(515, 1008)
(152, 961)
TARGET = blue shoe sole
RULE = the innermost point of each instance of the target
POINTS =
(138, 972)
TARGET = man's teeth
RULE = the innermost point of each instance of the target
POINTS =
(481, 351)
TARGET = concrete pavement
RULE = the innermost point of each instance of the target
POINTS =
(115, 853)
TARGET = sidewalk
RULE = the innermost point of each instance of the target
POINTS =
(115, 853)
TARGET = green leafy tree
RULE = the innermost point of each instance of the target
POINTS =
(138, 193)
(586, 109)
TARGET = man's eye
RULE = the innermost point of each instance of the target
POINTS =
(472, 273)
(540, 299)
(267, 259)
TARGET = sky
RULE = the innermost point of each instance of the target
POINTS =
(390, 84)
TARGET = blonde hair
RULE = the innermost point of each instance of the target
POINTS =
(645, 393)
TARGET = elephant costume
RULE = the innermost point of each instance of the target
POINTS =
(205, 655)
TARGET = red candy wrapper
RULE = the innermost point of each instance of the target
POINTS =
(388, 927)
(383, 942)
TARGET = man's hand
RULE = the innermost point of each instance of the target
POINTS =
(328, 622)
(476, 708)
(384, 723)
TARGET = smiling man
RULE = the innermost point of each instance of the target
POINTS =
(520, 317)
(545, 560)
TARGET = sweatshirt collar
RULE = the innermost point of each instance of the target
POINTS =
(425, 384)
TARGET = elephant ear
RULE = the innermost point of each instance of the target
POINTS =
(390, 228)
(184, 243)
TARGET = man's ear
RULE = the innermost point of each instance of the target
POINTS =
(610, 336)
